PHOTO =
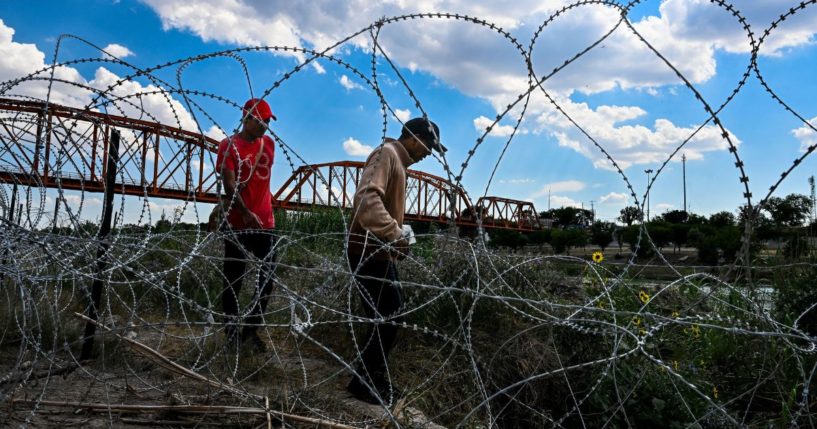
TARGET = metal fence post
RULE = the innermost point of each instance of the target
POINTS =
(104, 230)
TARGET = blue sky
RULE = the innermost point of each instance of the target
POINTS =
(620, 93)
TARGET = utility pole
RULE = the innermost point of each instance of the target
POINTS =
(592, 211)
(548, 199)
(811, 186)
(581, 214)
(649, 171)
(684, 169)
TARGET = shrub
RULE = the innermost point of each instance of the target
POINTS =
(508, 238)
(716, 246)
(794, 296)
(796, 246)
(563, 240)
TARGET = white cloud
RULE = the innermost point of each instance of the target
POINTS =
(195, 164)
(517, 181)
(562, 201)
(323, 196)
(402, 114)
(482, 123)
(149, 105)
(480, 63)
(241, 23)
(662, 207)
(474, 58)
(21, 59)
(355, 148)
(614, 198)
(215, 132)
(563, 186)
(143, 101)
(74, 201)
(348, 83)
(173, 211)
(117, 51)
(806, 135)
(703, 23)
(627, 144)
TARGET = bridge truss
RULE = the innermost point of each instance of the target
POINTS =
(53, 146)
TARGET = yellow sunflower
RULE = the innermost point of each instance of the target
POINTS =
(598, 257)
(644, 297)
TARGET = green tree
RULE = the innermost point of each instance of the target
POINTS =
(722, 219)
(679, 233)
(619, 234)
(628, 215)
(601, 234)
(793, 210)
(695, 236)
(716, 245)
(630, 235)
(660, 233)
(797, 246)
(696, 219)
(163, 224)
(541, 236)
(88, 228)
(569, 216)
(563, 240)
(675, 216)
(762, 227)
(507, 238)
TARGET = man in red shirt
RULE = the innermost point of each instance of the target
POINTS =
(244, 163)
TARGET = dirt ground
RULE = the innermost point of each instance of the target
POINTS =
(124, 388)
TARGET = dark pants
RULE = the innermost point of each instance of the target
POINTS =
(381, 299)
(237, 246)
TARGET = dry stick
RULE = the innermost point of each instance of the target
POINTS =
(174, 367)
(139, 408)
(182, 409)
(167, 363)
(148, 422)
(269, 417)
(39, 374)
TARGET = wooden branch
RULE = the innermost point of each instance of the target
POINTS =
(34, 375)
(152, 422)
(269, 416)
(181, 409)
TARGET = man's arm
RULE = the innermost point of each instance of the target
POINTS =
(228, 180)
(370, 212)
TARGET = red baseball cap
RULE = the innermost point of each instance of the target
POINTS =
(259, 109)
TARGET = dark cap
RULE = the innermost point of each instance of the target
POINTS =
(425, 130)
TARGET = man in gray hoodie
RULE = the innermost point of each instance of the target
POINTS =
(376, 242)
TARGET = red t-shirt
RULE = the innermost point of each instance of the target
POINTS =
(239, 155)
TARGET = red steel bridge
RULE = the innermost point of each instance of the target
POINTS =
(48, 145)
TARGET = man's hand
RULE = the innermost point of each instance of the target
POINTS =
(400, 249)
(251, 220)
(234, 197)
